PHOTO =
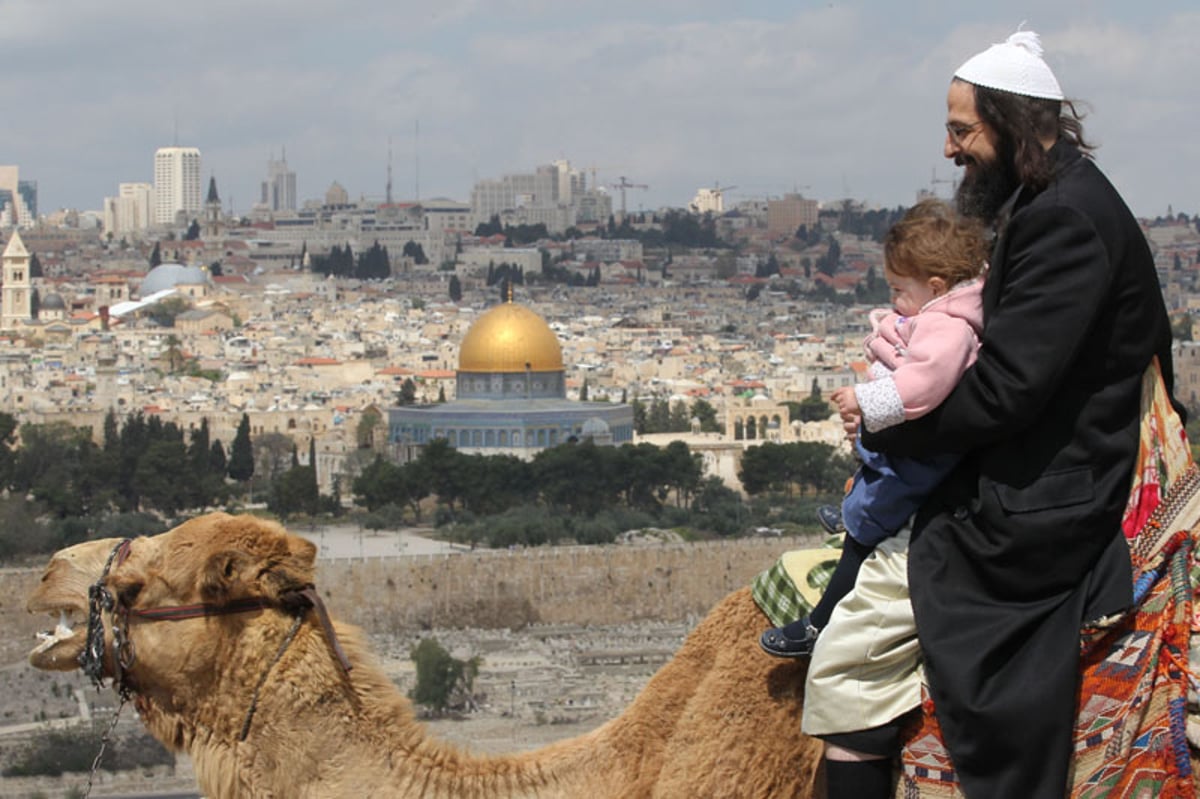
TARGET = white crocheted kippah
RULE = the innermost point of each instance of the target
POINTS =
(1015, 65)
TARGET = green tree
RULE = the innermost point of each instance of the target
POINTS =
(193, 231)
(47, 467)
(292, 493)
(164, 312)
(814, 408)
(678, 421)
(8, 455)
(443, 681)
(493, 484)
(641, 475)
(155, 255)
(640, 418)
(828, 263)
(786, 467)
(21, 531)
(383, 483)
(659, 418)
(455, 289)
(207, 477)
(370, 424)
(703, 411)
(241, 455)
(416, 252)
(158, 476)
(407, 395)
(447, 471)
(218, 464)
(763, 469)
(720, 506)
(174, 354)
(579, 477)
(683, 470)
(373, 263)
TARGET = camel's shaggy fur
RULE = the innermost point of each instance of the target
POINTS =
(721, 719)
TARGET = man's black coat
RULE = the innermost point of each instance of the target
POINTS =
(1022, 543)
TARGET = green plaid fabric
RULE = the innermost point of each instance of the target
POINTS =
(776, 594)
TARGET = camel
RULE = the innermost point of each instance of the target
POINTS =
(226, 657)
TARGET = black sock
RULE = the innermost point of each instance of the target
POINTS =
(841, 581)
(861, 779)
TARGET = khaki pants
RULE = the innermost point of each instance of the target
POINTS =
(866, 666)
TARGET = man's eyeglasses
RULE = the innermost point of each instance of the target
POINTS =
(959, 131)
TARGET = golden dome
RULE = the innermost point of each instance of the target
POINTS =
(510, 338)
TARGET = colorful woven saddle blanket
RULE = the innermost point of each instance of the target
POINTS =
(1137, 701)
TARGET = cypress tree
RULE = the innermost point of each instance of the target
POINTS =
(241, 455)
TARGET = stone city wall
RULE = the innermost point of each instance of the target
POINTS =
(559, 585)
(487, 588)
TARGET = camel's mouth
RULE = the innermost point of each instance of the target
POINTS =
(59, 648)
(62, 595)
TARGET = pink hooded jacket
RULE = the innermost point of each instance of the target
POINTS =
(917, 360)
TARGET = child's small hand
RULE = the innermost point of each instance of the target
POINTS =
(847, 403)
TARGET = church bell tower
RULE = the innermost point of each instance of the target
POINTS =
(16, 295)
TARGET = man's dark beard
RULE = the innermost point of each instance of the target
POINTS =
(986, 188)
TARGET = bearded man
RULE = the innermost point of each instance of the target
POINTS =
(1022, 544)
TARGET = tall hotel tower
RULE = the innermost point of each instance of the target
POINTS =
(176, 184)
(279, 189)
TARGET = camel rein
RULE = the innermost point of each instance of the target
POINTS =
(100, 601)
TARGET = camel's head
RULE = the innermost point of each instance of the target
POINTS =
(213, 562)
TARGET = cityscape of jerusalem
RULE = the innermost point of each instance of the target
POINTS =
(303, 316)
(540, 313)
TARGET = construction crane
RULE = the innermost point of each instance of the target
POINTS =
(934, 180)
(593, 168)
(623, 185)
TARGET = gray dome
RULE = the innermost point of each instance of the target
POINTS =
(168, 276)
(595, 428)
(53, 302)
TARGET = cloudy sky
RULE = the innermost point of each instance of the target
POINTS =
(828, 98)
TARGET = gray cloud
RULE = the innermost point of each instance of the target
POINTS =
(768, 96)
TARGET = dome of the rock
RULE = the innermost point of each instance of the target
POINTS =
(510, 338)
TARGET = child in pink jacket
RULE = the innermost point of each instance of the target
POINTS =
(918, 350)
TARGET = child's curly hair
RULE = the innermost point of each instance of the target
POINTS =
(934, 240)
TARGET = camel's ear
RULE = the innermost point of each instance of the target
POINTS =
(222, 576)
(291, 572)
(233, 573)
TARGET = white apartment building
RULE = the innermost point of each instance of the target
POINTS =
(130, 212)
(447, 215)
(709, 201)
(548, 195)
(176, 184)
